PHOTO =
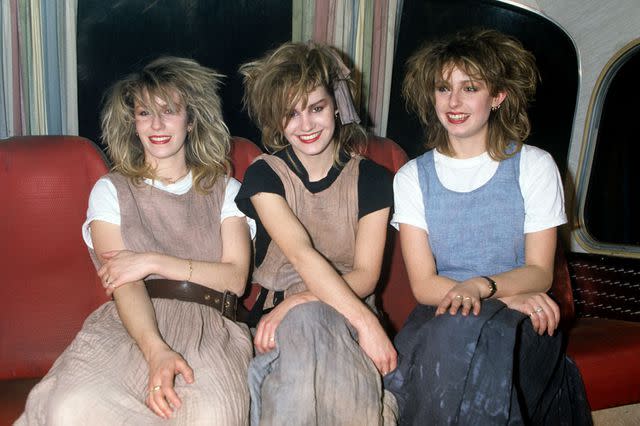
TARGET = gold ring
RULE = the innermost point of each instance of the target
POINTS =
(156, 388)
(458, 296)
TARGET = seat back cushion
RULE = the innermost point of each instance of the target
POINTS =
(243, 152)
(396, 295)
(49, 284)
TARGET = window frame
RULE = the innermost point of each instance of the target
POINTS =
(592, 125)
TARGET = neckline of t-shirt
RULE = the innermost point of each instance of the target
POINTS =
(180, 187)
(293, 162)
(463, 163)
(476, 162)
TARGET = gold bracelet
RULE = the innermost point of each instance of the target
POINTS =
(190, 269)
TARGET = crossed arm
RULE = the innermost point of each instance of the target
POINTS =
(324, 283)
(125, 271)
(522, 289)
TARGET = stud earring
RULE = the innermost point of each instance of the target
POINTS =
(496, 107)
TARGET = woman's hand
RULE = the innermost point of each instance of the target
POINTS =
(543, 311)
(465, 295)
(121, 267)
(265, 338)
(164, 365)
(376, 344)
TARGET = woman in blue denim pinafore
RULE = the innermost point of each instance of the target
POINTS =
(477, 216)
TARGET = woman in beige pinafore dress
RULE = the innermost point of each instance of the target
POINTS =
(322, 214)
(174, 251)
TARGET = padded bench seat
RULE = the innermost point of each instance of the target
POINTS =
(607, 353)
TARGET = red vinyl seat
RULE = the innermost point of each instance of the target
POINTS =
(607, 353)
(396, 297)
(49, 284)
(604, 349)
(243, 152)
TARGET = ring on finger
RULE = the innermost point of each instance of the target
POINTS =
(466, 298)
(458, 296)
(156, 388)
(108, 280)
(272, 339)
(538, 309)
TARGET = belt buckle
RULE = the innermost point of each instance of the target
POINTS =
(229, 305)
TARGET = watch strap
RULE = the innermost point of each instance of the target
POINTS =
(492, 286)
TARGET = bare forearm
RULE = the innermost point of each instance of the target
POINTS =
(361, 282)
(219, 276)
(138, 316)
(331, 288)
(431, 291)
(527, 279)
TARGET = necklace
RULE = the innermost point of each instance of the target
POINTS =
(169, 181)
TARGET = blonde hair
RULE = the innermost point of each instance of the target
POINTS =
(285, 76)
(488, 55)
(207, 144)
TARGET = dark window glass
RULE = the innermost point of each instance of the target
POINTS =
(116, 37)
(612, 205)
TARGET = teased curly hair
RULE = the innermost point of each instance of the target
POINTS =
(207, 145)
(488, 55)
(285, 76)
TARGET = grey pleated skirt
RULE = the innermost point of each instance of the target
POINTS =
(317, 375)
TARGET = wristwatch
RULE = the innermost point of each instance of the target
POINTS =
(492, 286)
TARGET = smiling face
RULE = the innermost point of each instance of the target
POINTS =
(463, 106)
(162, 129)
(310, 127)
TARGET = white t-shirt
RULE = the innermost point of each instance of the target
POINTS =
(103, 202)
(540, 184)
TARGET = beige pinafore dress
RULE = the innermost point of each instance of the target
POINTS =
(102, 377)
(318, 374)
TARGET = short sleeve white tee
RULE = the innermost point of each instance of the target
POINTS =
(103, 202)
(539, 181)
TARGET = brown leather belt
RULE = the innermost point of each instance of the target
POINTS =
(226, 303)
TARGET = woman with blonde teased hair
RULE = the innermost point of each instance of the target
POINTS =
(477, 216)
(322, 214)
(173, 250)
